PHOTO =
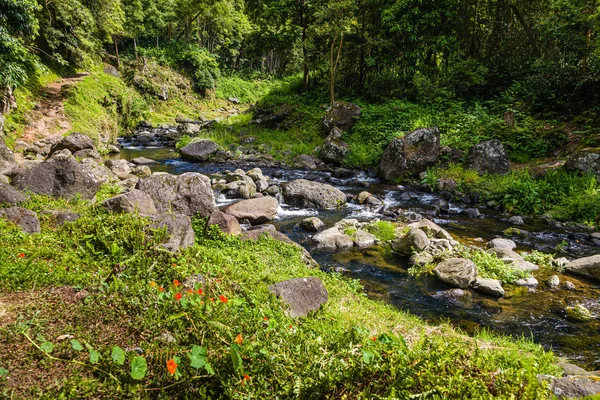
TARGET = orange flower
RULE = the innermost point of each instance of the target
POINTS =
(174, 265)
(199, 291)
(176, 282)
(190, 291)
(153, 284)
(374, 338)
(223, 299)
(291, 326)
(171, 366)
(212, 299)
(21, 255)
(239, 339)
(265, 318)
(161, 289)
(178, 296)
(246, 377)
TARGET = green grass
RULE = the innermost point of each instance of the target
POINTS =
(102, 107)
(383, 230)
(99, 278)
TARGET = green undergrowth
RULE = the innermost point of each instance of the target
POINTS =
(565, 196)
(96, 308)
(102, 106)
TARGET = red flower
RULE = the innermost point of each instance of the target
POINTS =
(246, 377)
(178, 296)
(171, 366)
(176, 282)
(21, 255)
(190, 291)
(199, 291)
(212, 299)
(374, 338)
(174, 265)
(265, 318)
(161, 289)
(223, 299)
(239, 339)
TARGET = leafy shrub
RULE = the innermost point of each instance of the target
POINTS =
(490, 266)
(383, 230)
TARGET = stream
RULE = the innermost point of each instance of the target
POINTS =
(536, 313)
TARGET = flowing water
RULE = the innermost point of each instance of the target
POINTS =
(537, 313)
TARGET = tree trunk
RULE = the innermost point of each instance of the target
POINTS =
(116, 42)
(333, 65)
(304, 24)
(7, 99)
(135, 49)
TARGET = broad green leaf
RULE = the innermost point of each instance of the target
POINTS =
(368, 357)
(47, 347)
(138, 368)
(94, 356)
(236, 357)
(197, 357)
(76, 345)
(118, 355)
(209, 369)
(3, 372)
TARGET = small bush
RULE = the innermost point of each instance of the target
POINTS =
(383, 230)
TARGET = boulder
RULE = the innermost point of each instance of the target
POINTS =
(516, 220)
(432, 229)
(227, 223)
(334, 151)
(531, 282)
(257, 211)
(414, 241)
(87, 153)
(302, 295)
(6, 156)
(312, 224)
(10, 196)
(588, 267)
(332, 239)
(506, 255)
(553, 282)
(142, 171)
(410, 155)
(245, 188)
(24, 218)
(586, 162)
(308, 194)
(342, 115)
(130, 202)
(143, 161)
(304, 161)
(256, 175)
(62, 217)
(500, 243)
(100, 172)
(574, 388)
(120, 168)
(363, 239)
(492, 287)
(179, 228)
(457, 272)
(59, 176)
(489, 157)
(200, 150)
(74, 143)
(186, 194)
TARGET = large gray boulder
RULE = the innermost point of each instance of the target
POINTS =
(227, 223)
(588, 267)
(120, 168)
(332, 239)
(179, 228)
(489, 157)
(59, 176)
(309, 194)
(130, 202)
(257, 211)
(6, 156)
(186, 194)
(10, 196)
(410, 154)
(493, 287)
(334, 151)
(342, 115)
(432, 229)
(500, 243)
(457, 272)
(302, 295)
(24, 218)
(200, 150)
(414, 241)
(74, 143)
(587, 162)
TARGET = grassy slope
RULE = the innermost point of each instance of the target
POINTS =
(95, 280)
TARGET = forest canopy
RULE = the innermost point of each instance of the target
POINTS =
(544, 53)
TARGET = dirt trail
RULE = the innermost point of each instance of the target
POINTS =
(48, 117)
